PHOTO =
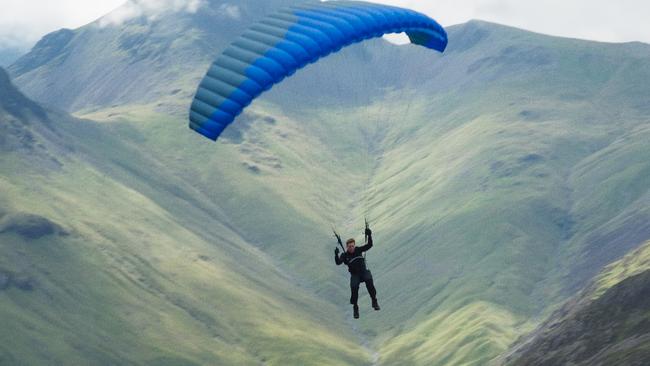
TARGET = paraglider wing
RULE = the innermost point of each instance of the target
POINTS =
(288, 40)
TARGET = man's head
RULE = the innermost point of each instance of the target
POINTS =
(350, 244)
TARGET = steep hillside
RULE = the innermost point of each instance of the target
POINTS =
(498, 177)
(608, 324)
(106, 257)
(471, 190)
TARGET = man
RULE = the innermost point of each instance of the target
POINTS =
(354, 259)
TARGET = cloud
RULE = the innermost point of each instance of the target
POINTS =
(23, 22)
(148, 8)
(602, 20)
(231, 11)
(13, 42)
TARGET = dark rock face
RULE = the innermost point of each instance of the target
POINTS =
(611, 330)
(29, 226)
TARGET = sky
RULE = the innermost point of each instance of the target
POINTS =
(23, 22)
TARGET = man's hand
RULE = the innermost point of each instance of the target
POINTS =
(336, 252)
(368, 232)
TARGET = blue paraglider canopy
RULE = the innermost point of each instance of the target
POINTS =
(288, 40)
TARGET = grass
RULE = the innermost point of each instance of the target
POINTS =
(136, 280)
(634, 263)
(472, 211)
(495, 184)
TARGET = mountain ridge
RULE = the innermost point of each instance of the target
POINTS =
(481, 172)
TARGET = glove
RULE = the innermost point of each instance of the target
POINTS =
(368, 232)
(336, 251)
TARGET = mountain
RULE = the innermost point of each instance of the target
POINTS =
(104, 260)
(498, 178)
(119, 59)
(607, 324)
(9, 54)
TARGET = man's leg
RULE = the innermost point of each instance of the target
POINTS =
(372, 291)
(355, 280)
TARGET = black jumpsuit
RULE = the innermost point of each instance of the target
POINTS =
(358, 272)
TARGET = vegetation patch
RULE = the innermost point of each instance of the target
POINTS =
(29, 226)
(10, 279)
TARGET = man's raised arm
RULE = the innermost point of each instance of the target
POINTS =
(369, 244)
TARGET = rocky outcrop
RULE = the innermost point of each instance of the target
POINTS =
(613, 329)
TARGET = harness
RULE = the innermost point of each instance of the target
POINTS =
(355, 258)
(361, 256)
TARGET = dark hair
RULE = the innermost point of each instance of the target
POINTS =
(351, 240)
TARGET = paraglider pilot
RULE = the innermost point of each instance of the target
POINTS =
(353, 257)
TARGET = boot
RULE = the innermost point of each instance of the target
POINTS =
(375, 304)
(355, 308)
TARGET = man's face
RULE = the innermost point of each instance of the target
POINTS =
(350, 247)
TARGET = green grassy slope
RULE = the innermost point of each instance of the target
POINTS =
(481, 172)
(482, 202)
(469, 216)
(108, 257)
(634, 263)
